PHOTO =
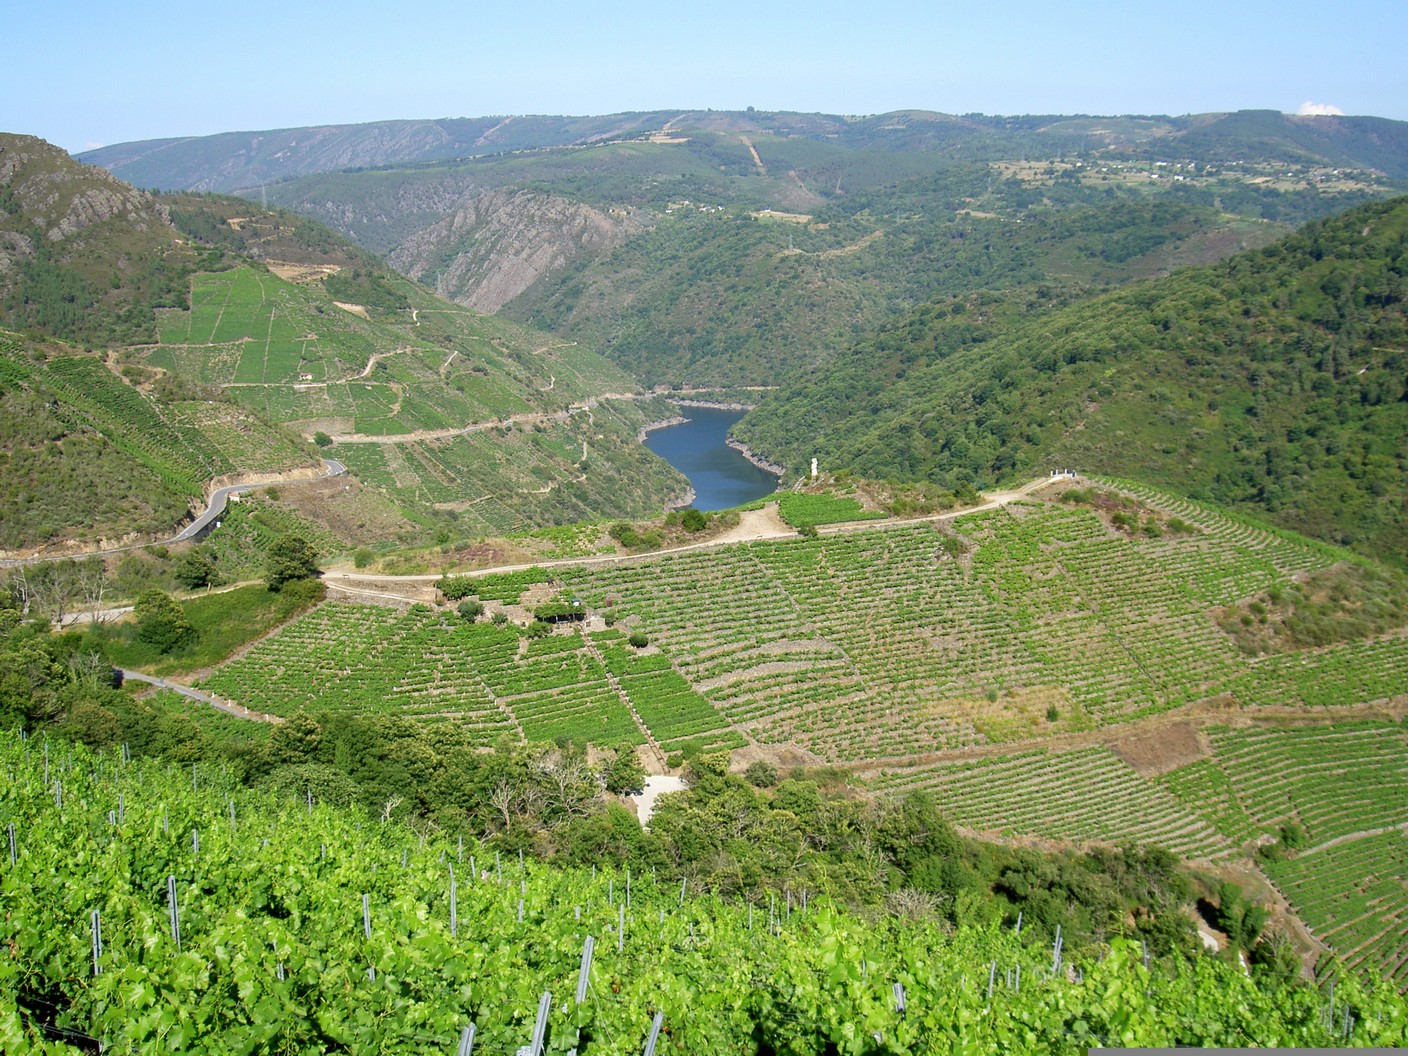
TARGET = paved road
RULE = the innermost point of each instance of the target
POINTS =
(219, 500)
(195, 694)
(221, 496)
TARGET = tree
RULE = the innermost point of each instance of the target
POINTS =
(92, 579)
(161, 622)
(694, 521)
(195, 569)
(625, 775)
(53, 587)
(289, 558)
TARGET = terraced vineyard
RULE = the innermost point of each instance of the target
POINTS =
(539, 449)
(1354, 896)
(302, 357)
(185, 444)
(1088, 794)
(871, 645)
(488, 679)
(878, 647)
(1346, 785)
(510, 478)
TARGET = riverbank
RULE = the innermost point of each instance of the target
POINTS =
(757, 460)
(711, 404)
(684, 502)
(651, 427)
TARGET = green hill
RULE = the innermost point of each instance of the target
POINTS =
(82, 255)
(1273, 382)
(657, 238)
(719, 256)
(233, 328)
(235, 161)
(95, 448)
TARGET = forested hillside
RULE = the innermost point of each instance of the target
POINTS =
(711, 297)
(1275, 381)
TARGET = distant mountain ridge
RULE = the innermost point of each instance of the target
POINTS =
(708, 248)
(243, 161)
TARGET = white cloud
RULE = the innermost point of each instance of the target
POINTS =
(1309, 109)
(92, 145)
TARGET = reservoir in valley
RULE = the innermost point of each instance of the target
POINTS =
(720, 476)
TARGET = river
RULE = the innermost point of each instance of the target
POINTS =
(720, 476)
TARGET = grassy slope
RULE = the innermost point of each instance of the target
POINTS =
(87, 456)
(1272, 382)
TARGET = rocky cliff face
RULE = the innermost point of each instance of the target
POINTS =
(47, 196)
(497, 244)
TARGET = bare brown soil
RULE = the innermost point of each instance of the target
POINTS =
(1155, 752)
(301, 273)
(349, 510)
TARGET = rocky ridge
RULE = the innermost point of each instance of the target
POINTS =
(495, 245)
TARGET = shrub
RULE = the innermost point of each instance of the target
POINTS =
(161, 622)
(456, 587)
(761, 774)
(362, 557)
(470, 610)
(639, 639)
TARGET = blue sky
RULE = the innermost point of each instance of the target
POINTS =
(86, 74)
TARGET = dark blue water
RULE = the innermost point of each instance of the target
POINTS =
(720, 476)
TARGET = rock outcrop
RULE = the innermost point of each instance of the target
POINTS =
(496, 244)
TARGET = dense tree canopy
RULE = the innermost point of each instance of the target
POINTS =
(289, 558)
